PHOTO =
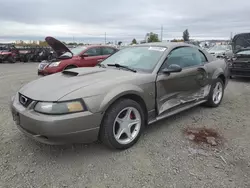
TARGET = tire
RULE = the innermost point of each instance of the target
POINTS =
(110, 127)
(70, 67)
(211, 102)
(11, 59)
(25, 59)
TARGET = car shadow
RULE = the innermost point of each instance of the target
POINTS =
(67, 153)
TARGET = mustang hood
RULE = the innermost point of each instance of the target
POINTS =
(57, 46)
(54, 87)
(240, 42)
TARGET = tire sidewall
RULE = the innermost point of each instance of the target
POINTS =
(11, 59)
(107, 134)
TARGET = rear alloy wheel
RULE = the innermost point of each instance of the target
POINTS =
(216, 93)
(122, 124)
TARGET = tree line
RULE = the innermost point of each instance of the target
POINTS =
(153, 37)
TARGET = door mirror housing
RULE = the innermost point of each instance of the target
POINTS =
(172, 68)
(84, 55)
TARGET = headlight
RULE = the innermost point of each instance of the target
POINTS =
(55, 64)
(58, 108)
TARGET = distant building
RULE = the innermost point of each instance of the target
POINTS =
(27, 42)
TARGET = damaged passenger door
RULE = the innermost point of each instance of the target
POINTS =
(176, 89)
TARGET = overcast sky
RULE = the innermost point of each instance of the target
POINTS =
(122, 19)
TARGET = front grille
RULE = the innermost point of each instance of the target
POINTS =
(25, 101)
(241, 65)
(240, 73)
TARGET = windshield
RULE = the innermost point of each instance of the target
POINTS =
(221, 48)
(245, 52)
(138, 58)
(76, 51)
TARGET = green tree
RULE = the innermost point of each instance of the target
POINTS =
(174, 40)
(153, 37)
(134, 41)
(72, 43)
(43, 43)
(186, 35)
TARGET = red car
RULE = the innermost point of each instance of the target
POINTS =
(9, 53)
(83, 56)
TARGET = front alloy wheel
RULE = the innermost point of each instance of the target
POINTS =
(123, 124)
(127, 125)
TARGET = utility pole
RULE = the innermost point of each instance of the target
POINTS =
(161, 32)
(105, 37)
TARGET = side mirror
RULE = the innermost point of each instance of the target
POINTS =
(172, 68)
(84, 55)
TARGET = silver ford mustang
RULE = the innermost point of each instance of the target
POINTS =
(115, 100)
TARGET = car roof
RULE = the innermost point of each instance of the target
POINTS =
(167, 44)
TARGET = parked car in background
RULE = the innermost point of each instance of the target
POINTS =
(82, 56)
(239, 64)
(115, 100)
(33, 53)
(221, 51)
(8, 53)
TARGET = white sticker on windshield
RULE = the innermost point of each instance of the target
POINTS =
(160, 49)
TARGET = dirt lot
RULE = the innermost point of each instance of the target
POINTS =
(163, 157)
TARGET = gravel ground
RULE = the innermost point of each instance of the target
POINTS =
(163, 157)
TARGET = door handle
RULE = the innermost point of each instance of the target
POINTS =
(99, 60)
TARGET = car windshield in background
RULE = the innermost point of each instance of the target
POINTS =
(245, 52)
(138, 58)
(220, 48)
(76, 51)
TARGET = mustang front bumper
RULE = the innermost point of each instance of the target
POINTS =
(56, 129)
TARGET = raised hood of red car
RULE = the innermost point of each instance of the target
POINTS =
(57, 46)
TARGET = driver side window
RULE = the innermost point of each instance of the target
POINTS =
(93, 52)
(184, 57)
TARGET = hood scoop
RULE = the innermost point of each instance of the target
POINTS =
(69, 73)
(81, 72)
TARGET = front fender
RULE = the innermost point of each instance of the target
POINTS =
(217, 73)
(118, 92)
(224, 72)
